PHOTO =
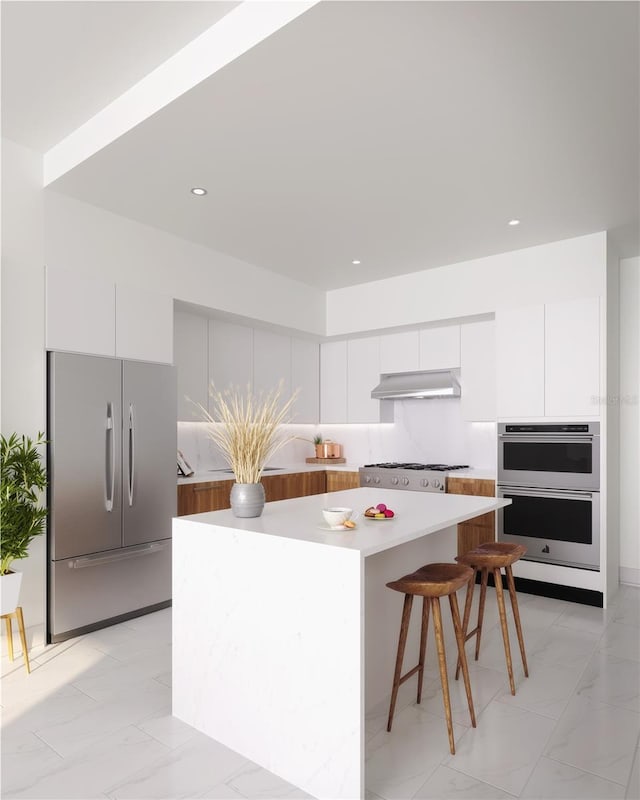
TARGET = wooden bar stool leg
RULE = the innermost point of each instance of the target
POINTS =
(23, 637)
(467, 613)
(483, 595)
(423, 645)
(516, 617)
(7, 621)
(503, 624)
(442, 662)
(402, 641)
(462, 656)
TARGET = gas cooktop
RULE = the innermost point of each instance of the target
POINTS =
(408, 475)
(412, 465)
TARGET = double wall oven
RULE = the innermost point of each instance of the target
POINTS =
(551, 473)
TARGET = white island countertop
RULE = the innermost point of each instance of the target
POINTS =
(416, 514)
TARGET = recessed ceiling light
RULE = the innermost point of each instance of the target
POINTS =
(199, 191)
(356, 261)
(514, 222)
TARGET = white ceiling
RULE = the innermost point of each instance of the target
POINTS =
(402, 134)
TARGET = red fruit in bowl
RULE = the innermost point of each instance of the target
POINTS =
(381, 507)
(388, 512)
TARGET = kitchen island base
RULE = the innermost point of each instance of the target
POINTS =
(284, 635)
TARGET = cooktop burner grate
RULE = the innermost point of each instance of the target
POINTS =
(411, 465)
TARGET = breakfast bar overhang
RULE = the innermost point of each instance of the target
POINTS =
(284, 633)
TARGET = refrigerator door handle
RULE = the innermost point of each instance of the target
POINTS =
(110, 558)
(110, 467)
(132, 453)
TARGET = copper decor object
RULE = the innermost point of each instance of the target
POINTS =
(328, 450)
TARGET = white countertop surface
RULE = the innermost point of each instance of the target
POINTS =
(476, 474)
(417, 514)
(220, 475)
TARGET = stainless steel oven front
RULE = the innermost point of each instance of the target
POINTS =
(558, 456)
(556, 526)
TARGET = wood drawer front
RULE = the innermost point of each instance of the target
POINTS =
(196, 498)
(473, 486)
(299, 484)
(338, 481)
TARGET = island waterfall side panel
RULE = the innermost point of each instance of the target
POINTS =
(262, 628)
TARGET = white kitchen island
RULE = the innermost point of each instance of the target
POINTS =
(284, 633)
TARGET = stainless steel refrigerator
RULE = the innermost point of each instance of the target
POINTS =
(112, 490)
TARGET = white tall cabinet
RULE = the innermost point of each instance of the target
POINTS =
(333, 382)
(478, 371)
(572, 348)
(520, 361)
(305, 376)
(548, 359)
(230, 354)
(271, 362)
(191, 355)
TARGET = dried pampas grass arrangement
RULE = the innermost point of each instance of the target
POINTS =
(246, 427)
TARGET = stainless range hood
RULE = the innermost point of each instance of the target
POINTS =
(412, 385)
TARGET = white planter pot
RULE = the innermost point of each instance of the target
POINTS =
(9, 592)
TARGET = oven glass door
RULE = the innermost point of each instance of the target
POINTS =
(559, 527)
(548, 461)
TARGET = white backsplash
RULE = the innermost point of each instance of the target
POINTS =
(427, 431)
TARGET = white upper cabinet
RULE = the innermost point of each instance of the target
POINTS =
(230, 355)
(80, 313)
(305, 375)
(572, 358)
(478, 371)
(363, 359)
(333, 382)
(400, 352)
(191, 352)
(520, 362)
(271, 362)
(440, 347)
(144, 325)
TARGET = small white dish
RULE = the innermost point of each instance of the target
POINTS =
(335, 529)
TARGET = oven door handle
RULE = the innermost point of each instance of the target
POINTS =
(570, 494)
(565, 439)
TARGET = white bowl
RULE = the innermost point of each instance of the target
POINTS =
(336, 516)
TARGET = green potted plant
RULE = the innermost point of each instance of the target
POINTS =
(23, 478)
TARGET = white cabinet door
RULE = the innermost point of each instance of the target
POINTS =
(520, 362)
(144, 325)
(271, 362)
(305, 375)
(478, 371)
(333, 382)
(572, 358)
(399, 352)
(80, 313)
(191, 357)
(230, 355)
(363, 360)
(440, 347)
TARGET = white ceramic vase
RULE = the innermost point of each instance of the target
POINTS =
(9, 591)
(247, 499)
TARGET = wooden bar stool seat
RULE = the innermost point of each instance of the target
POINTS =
(432, 582)
(494, 556)
(23, 638)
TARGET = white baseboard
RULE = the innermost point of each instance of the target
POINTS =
(630, 575)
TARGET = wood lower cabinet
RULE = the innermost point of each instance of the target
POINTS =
(298, 484)
(479, 529)
(338, 481)
(195, 498)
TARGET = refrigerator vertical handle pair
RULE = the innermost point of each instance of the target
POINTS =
(110, 471)
(132, 452)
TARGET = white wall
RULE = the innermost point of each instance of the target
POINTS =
(555, 271)
(630, 420)
(23, 364)
(82, 238)
(424, 431)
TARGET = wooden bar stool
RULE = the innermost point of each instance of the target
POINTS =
(23, 638)
(432, 582)
(494, 556)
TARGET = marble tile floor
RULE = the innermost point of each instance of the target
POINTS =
(93, 719)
